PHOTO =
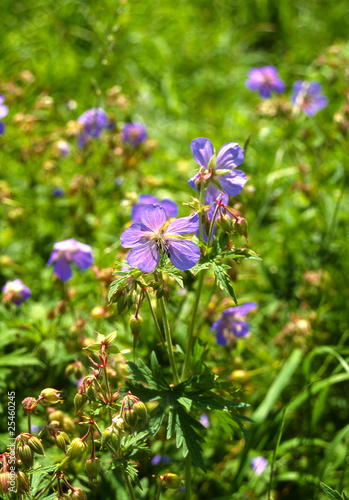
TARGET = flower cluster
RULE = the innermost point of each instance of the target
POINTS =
(3, 113)
(232, 323)
(306, 97)
(68, 251)
(153, 237)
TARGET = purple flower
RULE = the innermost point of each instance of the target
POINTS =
(308, 97)
(16, 292)
(63, 147)
(170, 206)
(220, 170)
(134, 133)
(157, 459)
(231, 324)
(204, 420)
(153, 236)
(57, 192)
(67, 251)
(3, 113)
(92, 123)
(265, 80)
(259, 465)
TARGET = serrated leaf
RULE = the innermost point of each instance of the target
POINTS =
(223, 281)
(242, 253)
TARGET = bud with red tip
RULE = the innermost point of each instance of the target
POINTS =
(29, 404)
(50, 397)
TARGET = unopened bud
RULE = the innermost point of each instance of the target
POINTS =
(5, 479)
(171, 480)
(109, 339)
(93, 466)
(29, 404)
(25, 455)
(240, 225)
(62, 439)
(50, 397)
(57, 415)
(76, 448)
(36, 446)
(106, 435)
(79, 401)
(136, 323)
(98, 312)
(22, 481)
(225, 223)
(130, 417)
(140, 410)
(75, 369)
(78, 494)
(115, 440)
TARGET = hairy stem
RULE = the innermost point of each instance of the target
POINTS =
(154, 317)
(129, 486)
(188, 477)
(168, 337)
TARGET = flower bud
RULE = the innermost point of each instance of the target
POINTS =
(76, 448)
(78, 494)
(62, 439)
(98, 312)
(115, 440)
(140, 410)
(36, 446)
(58, 416)
(22, 481)
(171, 480)
(240, 225)
(130, 417)
(25, 455)
(50, 397)
(106, 435)
(68, 425)
(5, 478)
(109, 339)
(225, 223)
(93, 466)
(29, 404)
(136, 323)
(75, 369)
(79, 401)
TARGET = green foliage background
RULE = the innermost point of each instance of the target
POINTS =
(183, 66)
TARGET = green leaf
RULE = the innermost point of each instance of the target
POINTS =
(241, 253)
(330, 493)
(223, 280)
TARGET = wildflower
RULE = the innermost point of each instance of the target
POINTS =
(170, 206)
(16, 292)
(157, 459)
(58, 192)
(134, 133)
(63, 147)
(265, 80)
(92, 123)
(232, 324)
(218, 170)
(67, 251)
(3, 113)
(152, 237)
(204, 420)
(308, 98)
(259, 465)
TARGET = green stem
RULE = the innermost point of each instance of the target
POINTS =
(189, 343)
(187, 477)
(129, 486)
(155, 318)
(168, 337)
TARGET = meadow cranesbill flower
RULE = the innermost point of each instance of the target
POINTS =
(204, 420)
(3, 113)
(153, 236)
(308, 98)
(259, 465)
(92, 122)
(232, 323)
(170, 206)
(16, 292)
(265, 80)
(218, 170)
(134, 133)
(68, 251)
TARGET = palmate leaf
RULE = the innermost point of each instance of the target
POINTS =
(180, 401)
(223, 280)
